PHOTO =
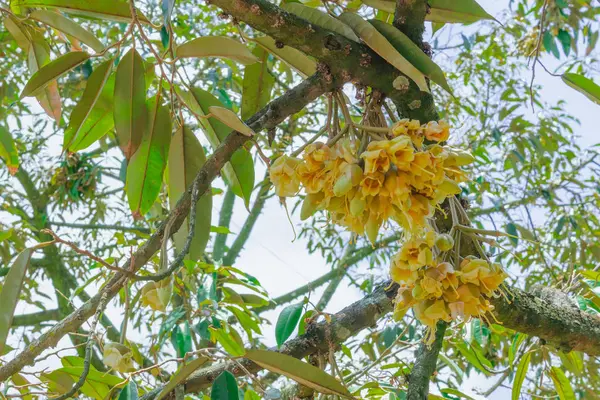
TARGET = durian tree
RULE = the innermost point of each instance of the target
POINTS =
(406, 144)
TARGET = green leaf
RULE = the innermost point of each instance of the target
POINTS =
(52, 71)
(453, 366)
(461, 11)
(287, 321)
(167, 10)
(180, 376)
(20, 380)
(593, 275)
(245, 320)
(514, 348)
(8, 150)
(39, 56)
(511, 229)
(257, 84)
(67, 26)
(583, 85)
(129, 392)
(78, 131)
(378, 43)
(181, 340)
(299, 371)
(146, 167)
(520, 375)
(225, 387)
(456, 392)
(565, 41)
(216, 46)
(239, 171)
(412, 53)
(230, 341)
(550, 44)
(319, 18)
(230, 119)
(115, 10)
(561, 384)
(475, 359)
(11, 289)
(130, 111)
(304, 65)
(250, 394)
(18, 30)
(186, 158)
(441, 11)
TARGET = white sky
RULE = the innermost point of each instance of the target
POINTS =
(282, 265)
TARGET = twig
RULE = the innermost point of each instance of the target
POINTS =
(537, 50)
(88, 352)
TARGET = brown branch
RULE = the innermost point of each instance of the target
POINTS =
(269, 117)
(101, 226)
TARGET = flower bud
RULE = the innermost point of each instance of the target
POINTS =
(157, 295)
(357, 205)
(444, 242)
(310, 205)
(118, 357)
(372, 227)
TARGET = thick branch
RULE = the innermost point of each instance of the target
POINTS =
(279, 109)
(425, 362)
(409, 17)
(342, 56)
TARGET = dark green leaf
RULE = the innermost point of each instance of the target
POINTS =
(550, 44)
(52, 71)
(225, 387)
(257, 84)
(565, 40)
(511, 229)
(129, 392)
(287, 321)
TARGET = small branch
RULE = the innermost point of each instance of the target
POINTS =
(88, 352)
(224, 220)
(101, 226)
(242, 237)
(35, 318)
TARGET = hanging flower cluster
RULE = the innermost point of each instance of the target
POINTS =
(435, 289)
(395, 178)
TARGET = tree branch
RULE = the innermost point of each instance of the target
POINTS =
(275, 112)
(224, 220)
(425, 362)
(35, 318)
(101, 226)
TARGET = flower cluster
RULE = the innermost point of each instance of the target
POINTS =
(395, 178)
(435, 289)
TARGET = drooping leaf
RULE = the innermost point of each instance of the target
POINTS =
(182, 373)
(230, 119)
(116, 10)
(461, 11)
(412, 53)
(453, 366)
(67, 26)
(561, 384)
(230, 340)
(146, 167)
(287, 321)
(129, 392)
(167, 10)
(225, 387)
(321, 19)
(129, 103)
(11, 289)
(257, 84)
(583, 85)
(565, 40)
(53, 70)
(216, 46)
(18, 31)
(82, 111)
(457, 393)
(298, 371)
(511, 229)
(8, 150)
(186, 157)
(522, 369)
(477, 360)
(181, 340)
(239, 171)
(378, 43)
(304, 65)
(38, 56)
(20, 380)
(550, 44)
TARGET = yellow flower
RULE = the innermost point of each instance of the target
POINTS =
(401, 152)
(118, 357)
(397, 186)
(437, 131)
(316, 154)
(431, 286)
(457, 309)
(404, 301)
(473, 270)
(284, 177)
(372, 184)
(411, 128)
(419, 209)
(413, 254)
(311, 203)
(376, 160)
(157, 295)
(313, 179)
(402, 275)
(345, 149)
(373, 225)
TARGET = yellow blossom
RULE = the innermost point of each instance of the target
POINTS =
(316, 154)
(118, 357)
(284, 177)
(436, 131)
(157, 295)
(350, 175)
(401, 152)
(376, 160)
(371, 184)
